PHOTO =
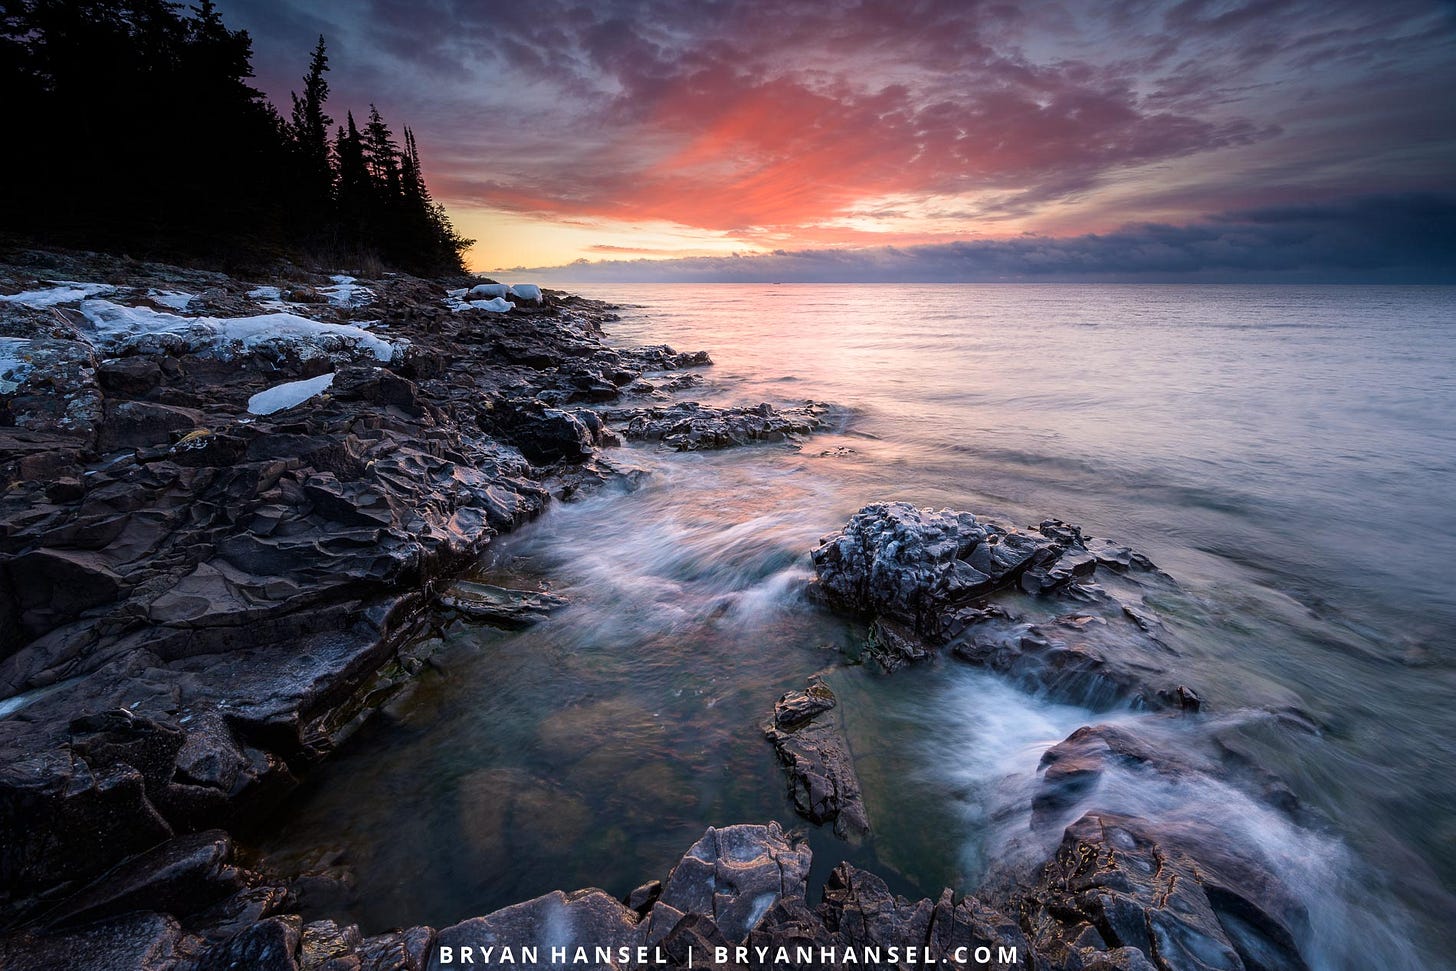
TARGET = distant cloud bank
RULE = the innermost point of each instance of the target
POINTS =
(1377, 239)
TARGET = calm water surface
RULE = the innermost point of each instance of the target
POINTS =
(1286, 452)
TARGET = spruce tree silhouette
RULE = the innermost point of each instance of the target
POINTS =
(140, 133)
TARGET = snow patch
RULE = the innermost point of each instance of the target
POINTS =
(265, 293)
(288, 394)
(170, 298)
(347, 292)
(63, 291)
(484, 291)
(497, 305)
(116, 325)
(526, 291)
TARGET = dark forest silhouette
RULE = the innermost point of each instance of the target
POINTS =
(131, 126)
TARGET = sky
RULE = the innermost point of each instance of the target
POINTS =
(911, 139)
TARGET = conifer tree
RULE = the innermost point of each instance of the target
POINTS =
(310, 128)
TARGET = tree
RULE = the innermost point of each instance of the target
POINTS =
(310, 129)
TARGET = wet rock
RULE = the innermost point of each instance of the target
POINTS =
(269, 945)
(733, 875)
(859, 908)
(691, 427)
(1180, 898)
(931, 579)
(544, 435)
(326, 946)
(912, 565)
(812, 749)
(134, 942)
(499, 605)
(587, 917)
(664, 358)
(797, 707)
(406, 950)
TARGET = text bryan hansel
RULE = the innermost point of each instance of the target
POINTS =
(741, 955)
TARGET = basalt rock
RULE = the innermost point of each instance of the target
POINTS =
(1121, 890)
(930, 580)
(691, 427)
(812, 749)
(198, 603)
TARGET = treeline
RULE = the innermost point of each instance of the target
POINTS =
(132, 126)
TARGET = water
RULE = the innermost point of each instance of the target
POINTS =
(1286, 452)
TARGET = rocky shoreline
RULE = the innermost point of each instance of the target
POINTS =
(232, 507)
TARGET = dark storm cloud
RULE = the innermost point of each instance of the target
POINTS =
(1391, 239)
(760, 118)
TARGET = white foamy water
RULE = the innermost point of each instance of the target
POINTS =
(1285, 452)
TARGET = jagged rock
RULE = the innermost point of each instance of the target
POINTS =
(182, 876)
(664, 358)
(591, 918)
(912, 565)
(544, 435)
(133, 376)
(1180, 898)
(132, 424)
(406, 950)
(925, 580)
(859, 908)
(690, 427)
(732, 875)
(809, 744)
(796, 707)
(498, 605)
(269, 945)
(133, 942)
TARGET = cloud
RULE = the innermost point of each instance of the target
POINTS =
(1396, 239)
(756, 117)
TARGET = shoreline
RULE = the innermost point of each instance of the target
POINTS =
(410, 421)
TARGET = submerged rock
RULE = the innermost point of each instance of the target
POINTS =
(499, 605)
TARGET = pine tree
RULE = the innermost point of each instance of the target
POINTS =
(310, 129)
(354, 192)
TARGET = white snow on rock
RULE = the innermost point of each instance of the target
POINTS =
(526, 291)
(117, 326)
(484, 291)
(265, 293)
(347, 292)
(170, 298)
(64, 291)
(13, 363)
(288, 394)
(497, 305)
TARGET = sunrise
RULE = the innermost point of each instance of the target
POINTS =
(729, 485)
(616, 132)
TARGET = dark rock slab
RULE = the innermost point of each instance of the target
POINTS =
(1179, 897)
(269, 945)
(182, 876)
(927, 580)
(691, 427)
(591, 918)
(134, 942)
(812, 749)
(733, 875)
(499, 605)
